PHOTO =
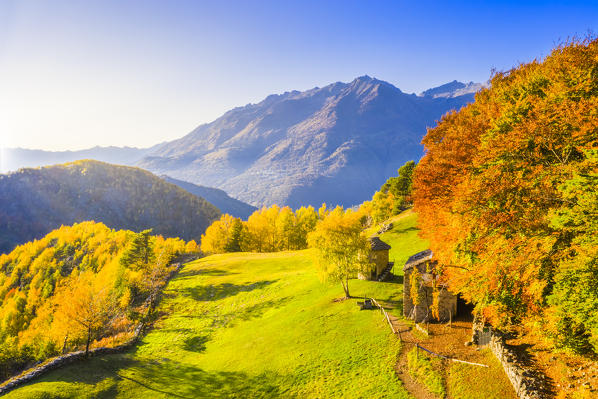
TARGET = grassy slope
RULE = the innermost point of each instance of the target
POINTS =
(403, 238)
(425, 370)
(247, 325)
(469, 382)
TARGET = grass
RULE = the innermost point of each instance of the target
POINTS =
(403, 239)
(472, 382)
(422, 369)
(247, 325)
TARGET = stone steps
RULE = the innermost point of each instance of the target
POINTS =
(386, 272)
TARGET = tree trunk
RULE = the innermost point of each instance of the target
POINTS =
(66, 337)
(88, 341)
(346, 288)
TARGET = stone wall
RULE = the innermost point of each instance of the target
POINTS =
(379, 261)
(447, 302)
(60, 361)
(380, 258)
(527, 382)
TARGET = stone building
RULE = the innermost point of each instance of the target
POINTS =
(378, 257)
(423, 263)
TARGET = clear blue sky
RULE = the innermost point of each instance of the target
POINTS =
(75, 74)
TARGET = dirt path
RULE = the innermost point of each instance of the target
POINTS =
(414, 388)
(445, 340)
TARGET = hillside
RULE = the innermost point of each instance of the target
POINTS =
(216, 197)
(247, 325)
(75, 284)
(36, 201)
(336, 144)
(263, 325)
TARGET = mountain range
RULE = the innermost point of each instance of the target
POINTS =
(336, 144)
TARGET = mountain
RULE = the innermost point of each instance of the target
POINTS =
(12, 159)
(216, 197)
(34, 202)
(453, 89)
(335, 144)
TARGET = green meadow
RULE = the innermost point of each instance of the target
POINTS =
(253, 325)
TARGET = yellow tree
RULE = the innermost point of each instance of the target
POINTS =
(85, 308)
(286, 225)
(342, 249)
(262, 234)
(219, 236)
(305, 223)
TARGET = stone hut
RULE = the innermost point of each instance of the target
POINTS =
(426, 266)
(379, 258)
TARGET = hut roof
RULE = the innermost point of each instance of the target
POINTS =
(418, 258)
(377, 244)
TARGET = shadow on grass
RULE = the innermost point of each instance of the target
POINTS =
(164, 378)
(394, 279)
(196, 344)
(403, 231)
(259, 309)
(204, 272)
(221, 291)
(227, 320)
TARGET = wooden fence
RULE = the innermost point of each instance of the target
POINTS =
(392, 328)
(385, 313)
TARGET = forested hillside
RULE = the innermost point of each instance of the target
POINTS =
(507, 196)
(36, 201)
(216, 197)
(77, 286)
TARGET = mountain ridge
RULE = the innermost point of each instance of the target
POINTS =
(216, 197)
(306, 148)
(335, 144)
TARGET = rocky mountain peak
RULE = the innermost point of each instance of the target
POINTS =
(335, 144)
(453, 89)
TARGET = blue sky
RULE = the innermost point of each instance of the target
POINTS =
(74, 74)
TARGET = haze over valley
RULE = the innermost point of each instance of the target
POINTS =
(336, 144)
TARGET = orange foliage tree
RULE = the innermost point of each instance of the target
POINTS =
(493, 182)
(85, 307)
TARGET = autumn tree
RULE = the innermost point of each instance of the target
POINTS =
(395, 194)
(342, 250)
(574, 299)
(86, 308)
(266, 230)
(224, 235)
(505, 192)
(306, 219)
(38, 278)
(262, 232)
